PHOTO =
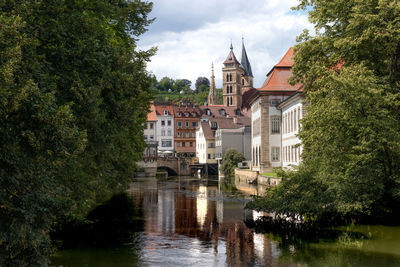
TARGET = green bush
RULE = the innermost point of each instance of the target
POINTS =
(231, 158)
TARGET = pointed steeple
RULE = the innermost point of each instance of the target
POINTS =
(212, 95)
(244, 61)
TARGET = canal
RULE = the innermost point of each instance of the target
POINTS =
(191, 222)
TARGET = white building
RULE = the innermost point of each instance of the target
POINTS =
(266, 119)
(205, 143)
(292, 112)
(165, 129)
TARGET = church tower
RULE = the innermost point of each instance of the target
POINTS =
(232, 75)
(212, 95)
(247, 79)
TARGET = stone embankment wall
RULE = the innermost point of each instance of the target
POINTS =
(253, 176)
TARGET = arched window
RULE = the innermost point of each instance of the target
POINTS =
(227, 101)
(242, 81)
(230, 77)
(227, 77)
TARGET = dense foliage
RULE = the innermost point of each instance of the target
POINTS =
(230, 161)
(351, 133)
(74, 95)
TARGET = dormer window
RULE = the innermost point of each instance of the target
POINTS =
(214, 125)
(237, 112)
(165, 112)
(222, 112)
(208, 112)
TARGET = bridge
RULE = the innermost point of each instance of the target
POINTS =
(175, 166)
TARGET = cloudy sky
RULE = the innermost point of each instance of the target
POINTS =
(191, 34)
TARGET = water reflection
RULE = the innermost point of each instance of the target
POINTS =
(201, 223)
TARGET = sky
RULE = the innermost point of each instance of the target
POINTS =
(192, 34)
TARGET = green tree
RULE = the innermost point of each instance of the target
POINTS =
(74, 97)
(165, 84)
(230, 160)
(350, 73)
(202, 81)
(182, 85)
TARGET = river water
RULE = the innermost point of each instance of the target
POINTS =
(191, 222)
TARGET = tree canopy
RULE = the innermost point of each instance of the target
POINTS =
(202, 81)
(230, 161)
(74, 96)
(351, 132)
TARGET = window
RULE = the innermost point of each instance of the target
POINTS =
(165, 112)
(222, 112)
(162, 132)
(275, 153)
(187, 114)
(214, 125)
(179, 134)
(209, 156)
(208, 112)
(194, 124)
(178, 144)
(166, 143)
(275, 125)
(183, 144)
(242, 81)
(274, 102)
(187, 124)
(151, 137)
(191, 144)
(187, 135)
(169, 122)
(211, 145)
(169, 132)
(151, 125)
(163, 123)
(194, 114)
(179, 124)
(180, 114)
(193, 135)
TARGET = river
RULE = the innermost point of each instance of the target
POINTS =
(191, 222)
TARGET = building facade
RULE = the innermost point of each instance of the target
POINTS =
(292, 110)
(266, 118)
(205, 148)
(187, 118)
(165, 129)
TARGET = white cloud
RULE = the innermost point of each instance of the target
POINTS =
(186, 50)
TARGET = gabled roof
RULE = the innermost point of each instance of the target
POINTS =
(152, 116)
(160, 110)
(245, 63)
(208, 133)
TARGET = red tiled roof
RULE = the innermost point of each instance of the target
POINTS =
(160, 109)
(277, 77)
(215, 111)
(208, 133)
(187, 108)
(151, 116)
(287, 60)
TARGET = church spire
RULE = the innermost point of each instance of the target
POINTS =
(212, 95)
(244, 61)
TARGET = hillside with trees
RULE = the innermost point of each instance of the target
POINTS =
(168, 90)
